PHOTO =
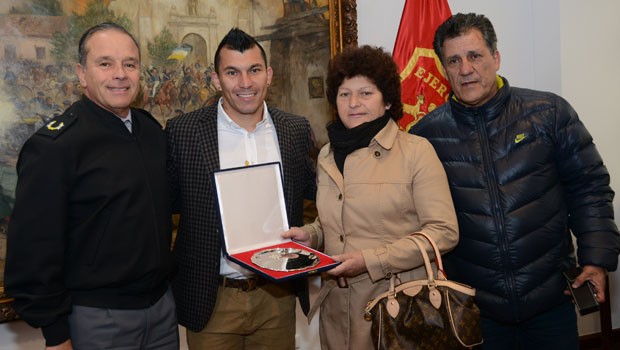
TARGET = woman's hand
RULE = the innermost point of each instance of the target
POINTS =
(352, 265)
(298, 235)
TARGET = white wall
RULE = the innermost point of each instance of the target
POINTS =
(523, 28)
(590, 52)
(570, 47)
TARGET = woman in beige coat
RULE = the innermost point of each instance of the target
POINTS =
(376, 186)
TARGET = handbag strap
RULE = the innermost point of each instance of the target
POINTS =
(441, 280)
(391, 305)
(427, 262)
(438, 260)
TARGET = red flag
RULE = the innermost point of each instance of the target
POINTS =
(424, 83)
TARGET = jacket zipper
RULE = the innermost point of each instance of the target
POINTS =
(498, 217)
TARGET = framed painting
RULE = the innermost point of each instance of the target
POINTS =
(178, 38)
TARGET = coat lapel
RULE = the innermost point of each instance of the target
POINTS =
(284, 142)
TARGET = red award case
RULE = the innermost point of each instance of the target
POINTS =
(252, 215)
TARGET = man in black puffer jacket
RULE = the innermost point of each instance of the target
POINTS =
(524, 175)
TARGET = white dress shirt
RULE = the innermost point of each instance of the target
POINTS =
(127, 120)
(237, 148)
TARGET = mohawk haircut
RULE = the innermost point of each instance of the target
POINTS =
(237, 40)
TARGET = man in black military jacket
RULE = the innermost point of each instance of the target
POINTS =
(88, 255)
(223, 305)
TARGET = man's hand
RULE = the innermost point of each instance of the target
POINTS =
(596, 276)
(298, 235)
(63, 346)
(352, 265)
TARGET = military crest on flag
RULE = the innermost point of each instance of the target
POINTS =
(424, 84)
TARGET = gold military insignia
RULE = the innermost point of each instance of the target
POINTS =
(52, 125)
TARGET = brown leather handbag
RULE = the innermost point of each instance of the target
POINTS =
(434, 313)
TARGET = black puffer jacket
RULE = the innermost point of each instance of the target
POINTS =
(524, 173)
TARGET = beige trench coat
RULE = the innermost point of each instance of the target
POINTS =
(392, 188)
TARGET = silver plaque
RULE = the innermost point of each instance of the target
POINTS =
(285, 259)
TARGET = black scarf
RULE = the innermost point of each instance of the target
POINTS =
(344, 141)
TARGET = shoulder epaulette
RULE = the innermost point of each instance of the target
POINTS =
(58, 125)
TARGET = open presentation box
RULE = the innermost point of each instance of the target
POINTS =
(253, 215)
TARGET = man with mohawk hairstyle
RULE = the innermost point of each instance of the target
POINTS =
(223, 305)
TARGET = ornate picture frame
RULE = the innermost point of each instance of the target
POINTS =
(36, 63)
